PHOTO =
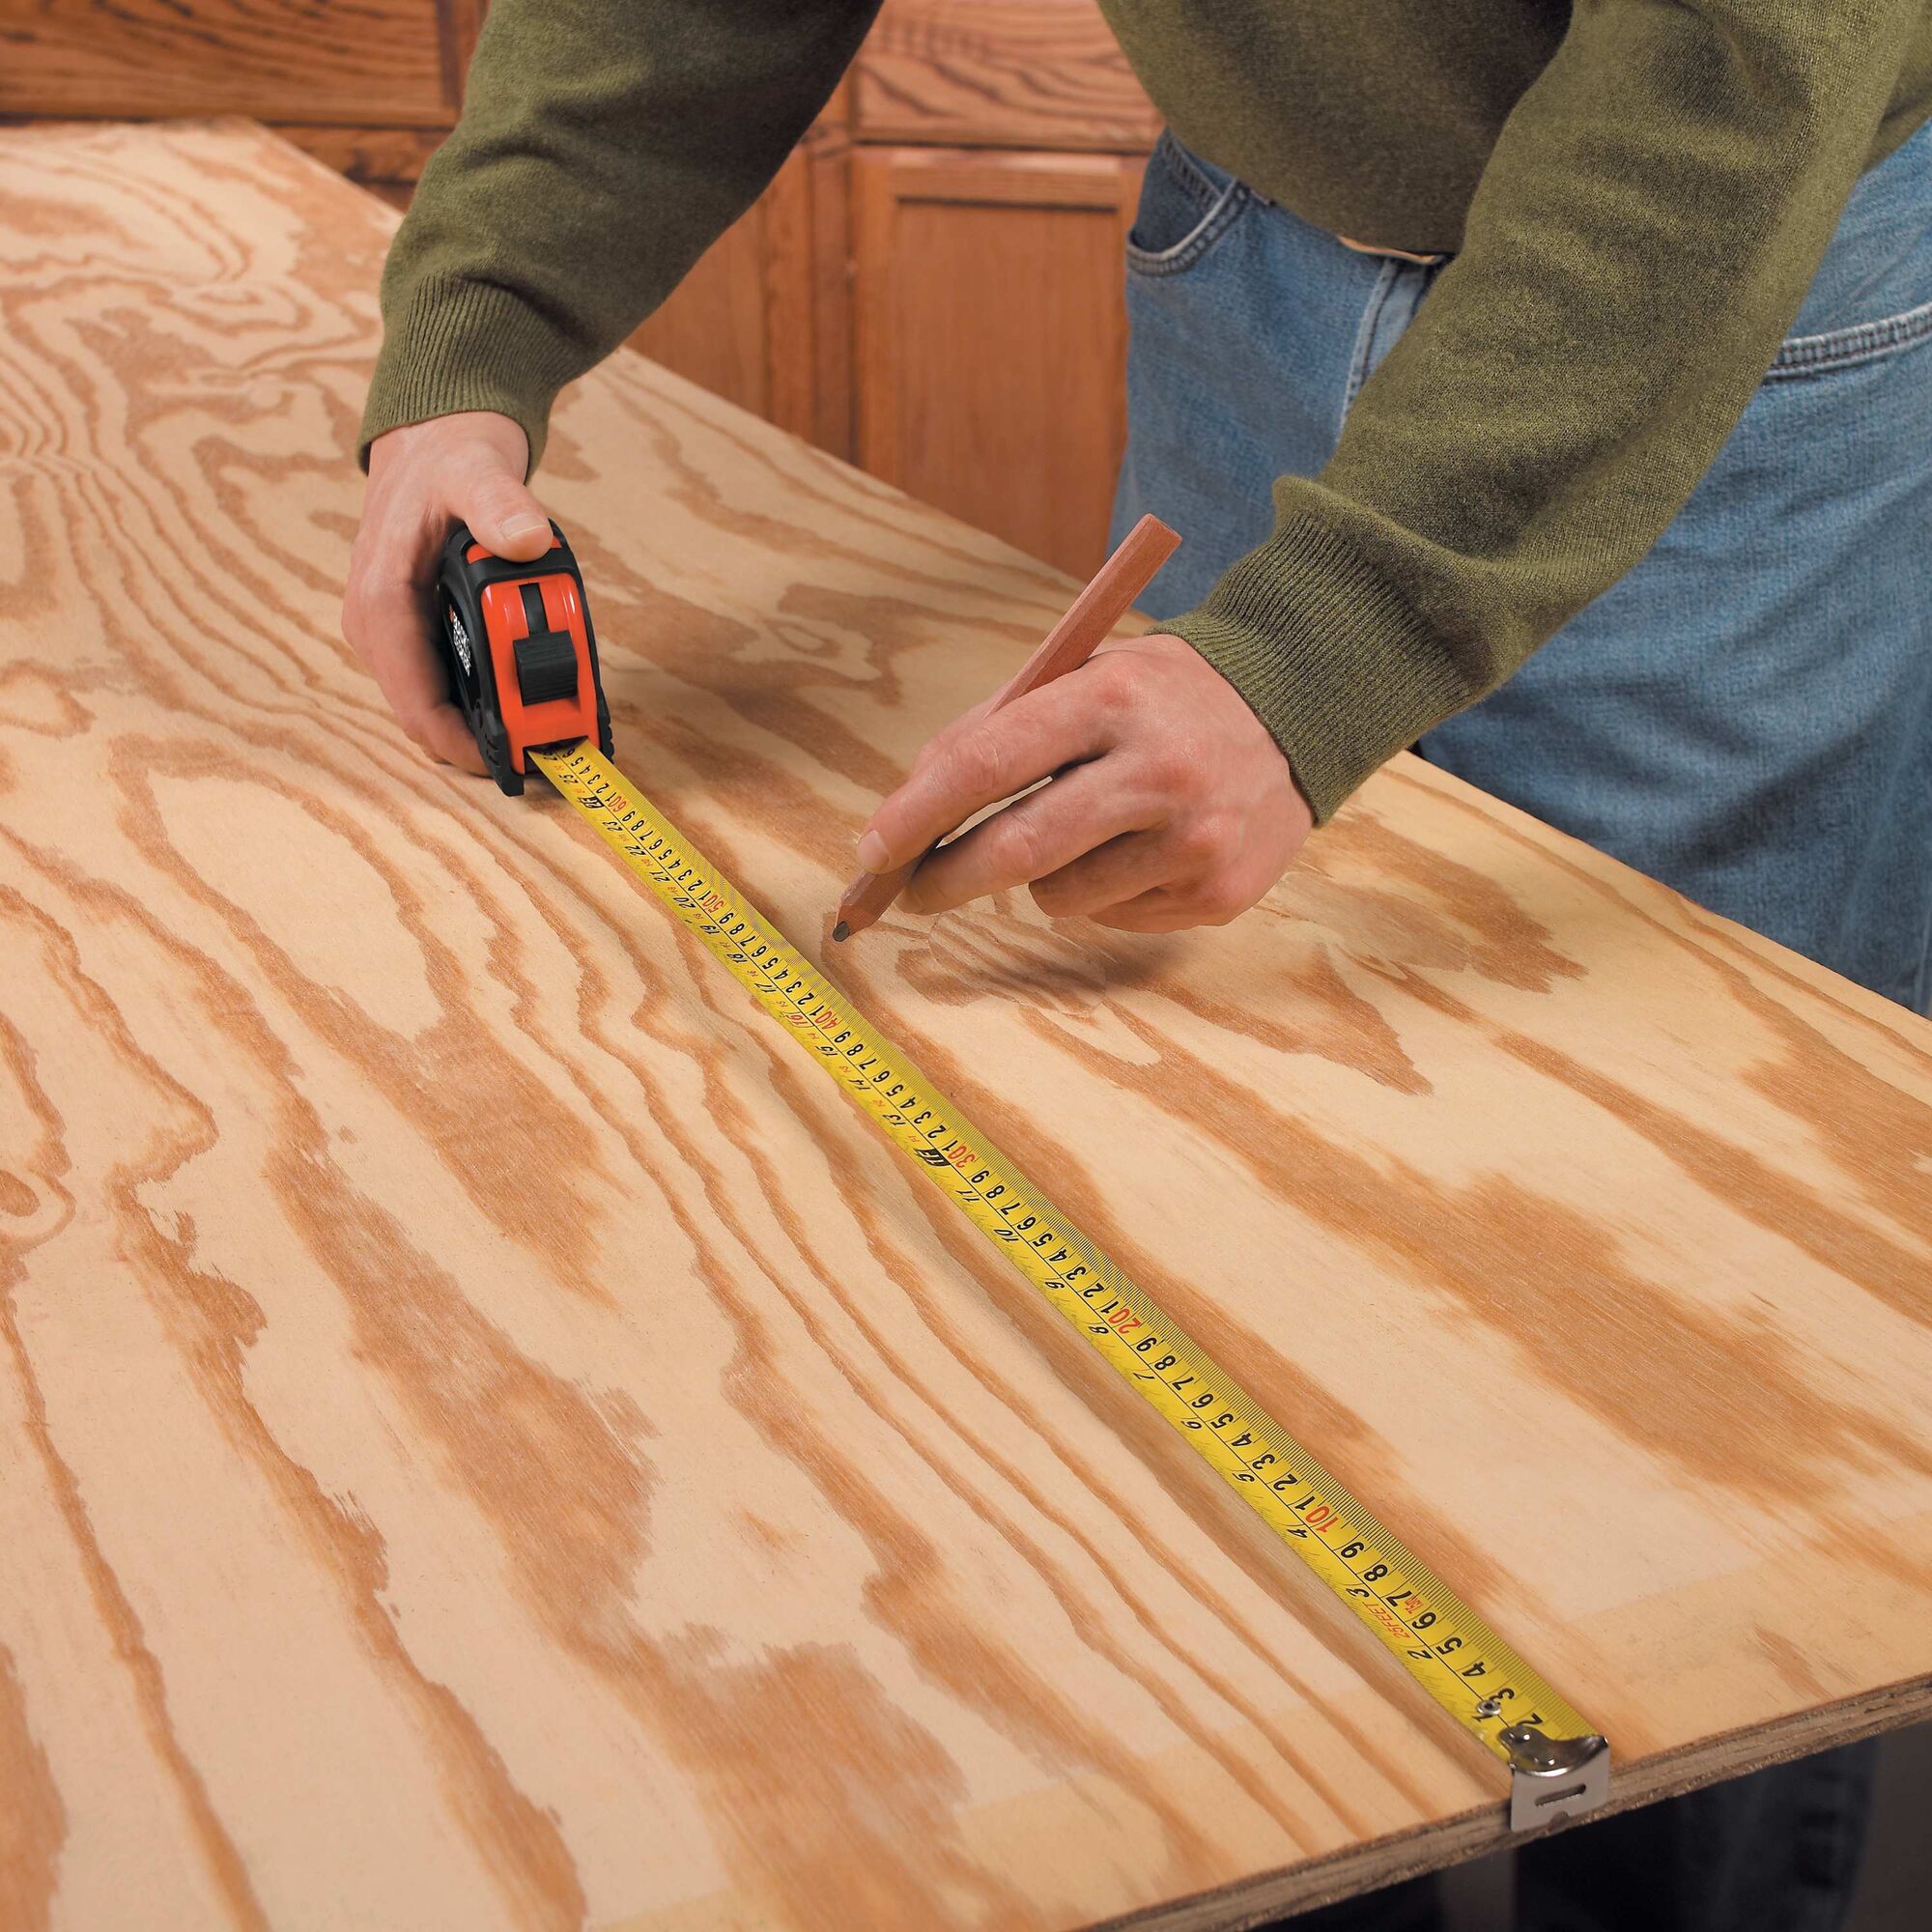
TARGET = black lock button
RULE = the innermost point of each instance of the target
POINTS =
(546, 659)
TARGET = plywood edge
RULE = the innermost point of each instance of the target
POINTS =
(1485, 1829)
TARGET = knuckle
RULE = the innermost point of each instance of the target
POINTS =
(364, 605)
(972, 762)
(1016, 848)
(1200, 840)
(490, 501)
(379, 573)
(356, 616)
(1117, 686)
(1193, 772)
(480, 471)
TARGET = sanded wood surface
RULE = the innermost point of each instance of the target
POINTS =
(489, 1438)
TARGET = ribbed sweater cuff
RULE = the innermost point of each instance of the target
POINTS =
(1327, 654)
(458, 344)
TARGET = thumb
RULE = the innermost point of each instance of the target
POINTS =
(502, 516)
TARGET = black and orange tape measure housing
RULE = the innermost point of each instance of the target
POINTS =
(520, 653)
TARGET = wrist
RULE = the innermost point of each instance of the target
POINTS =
(454, 347)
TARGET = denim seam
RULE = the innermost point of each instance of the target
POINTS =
(1918, 997)
(1365, 331)
(1194, 177)
(1862, 342)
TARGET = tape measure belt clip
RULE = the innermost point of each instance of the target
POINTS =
(519, 651)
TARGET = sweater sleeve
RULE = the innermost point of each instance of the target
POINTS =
(1641, 238)
(604, 145)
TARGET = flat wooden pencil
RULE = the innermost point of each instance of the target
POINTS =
(1071, 641)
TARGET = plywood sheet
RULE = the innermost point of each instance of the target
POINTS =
(488, 1438)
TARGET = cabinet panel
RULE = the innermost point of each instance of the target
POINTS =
(714, 326)
(365, 63)
(1028, 73)
(992, 336)
(764, 317)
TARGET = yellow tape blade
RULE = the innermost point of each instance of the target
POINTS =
(1477, 1677)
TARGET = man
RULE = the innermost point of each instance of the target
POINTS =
(1586, 352)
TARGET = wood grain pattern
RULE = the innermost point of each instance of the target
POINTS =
(370, 87)
(488, 1439)
(367, 62)
(992, 338)
(1044, 73)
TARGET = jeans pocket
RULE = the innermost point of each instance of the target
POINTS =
(1844, 348)
(1186, 208)
(1872, 295)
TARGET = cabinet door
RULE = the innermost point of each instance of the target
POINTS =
(992, 336)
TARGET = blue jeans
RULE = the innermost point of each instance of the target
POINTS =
(1748, 714)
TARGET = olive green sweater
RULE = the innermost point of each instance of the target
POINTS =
(1636, 194)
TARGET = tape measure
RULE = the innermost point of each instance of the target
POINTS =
(519, 651)
(1559, 1763)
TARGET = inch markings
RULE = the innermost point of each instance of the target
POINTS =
(1445, 1646)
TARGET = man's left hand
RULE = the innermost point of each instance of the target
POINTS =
(1169, 806)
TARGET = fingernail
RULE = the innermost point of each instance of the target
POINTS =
(523, 523)
(872, 852)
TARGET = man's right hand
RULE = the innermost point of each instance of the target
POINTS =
(469, 468)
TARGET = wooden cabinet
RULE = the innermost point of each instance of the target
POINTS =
(991, 339)
(991, 345)
(975, 181)
(1016, 74)
(370, 89)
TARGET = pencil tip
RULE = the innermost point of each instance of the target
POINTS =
(841, 931)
